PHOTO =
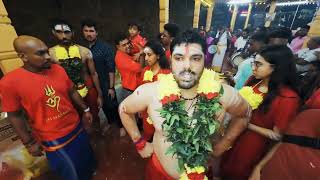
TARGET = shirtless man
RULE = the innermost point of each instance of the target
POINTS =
(187, 64)
(62, 31)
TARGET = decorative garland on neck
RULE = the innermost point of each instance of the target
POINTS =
(70, 60)
(254, 99)
(190, 136)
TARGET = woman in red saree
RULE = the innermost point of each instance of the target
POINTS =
(275, 78)
(157, 64)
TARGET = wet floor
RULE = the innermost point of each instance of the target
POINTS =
(117, 158)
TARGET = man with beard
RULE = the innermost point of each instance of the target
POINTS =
(47, 95)
(103, 56)
(187, 67)
(78, 63)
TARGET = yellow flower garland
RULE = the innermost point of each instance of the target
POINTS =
(148, 75)
(62, 53)
(209, 82)
(168, 86)
(251, 97)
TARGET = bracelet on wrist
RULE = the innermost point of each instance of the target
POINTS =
(87, 110)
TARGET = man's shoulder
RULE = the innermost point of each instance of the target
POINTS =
(149, 88)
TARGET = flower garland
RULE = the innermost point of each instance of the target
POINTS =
(190, 136)
(70, 60)
(148, 76)
(254, 99)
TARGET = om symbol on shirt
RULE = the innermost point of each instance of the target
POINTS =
(53, 100)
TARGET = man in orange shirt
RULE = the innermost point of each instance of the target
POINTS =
(129, 69)
(47, 95)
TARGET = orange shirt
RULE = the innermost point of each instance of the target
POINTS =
(45, 99)
(168, 54)
(129, 70)
(136, 42)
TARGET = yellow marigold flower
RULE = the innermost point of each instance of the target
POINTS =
(148, 76)
(74, 51)
(83, 92)
(168, 86)
(149, 120)
(184, 176)
(62, 53)
(251, 97)
(199, 169)
(209, 82)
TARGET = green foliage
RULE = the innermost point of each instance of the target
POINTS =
(73, 68)
(190, 136)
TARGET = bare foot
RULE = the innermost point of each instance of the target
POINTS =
(122, 132)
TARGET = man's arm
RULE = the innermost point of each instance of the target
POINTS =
(256, 173)
(240, 110)
(18, 122)
(78, 101)
(138, 101)
(93, 73)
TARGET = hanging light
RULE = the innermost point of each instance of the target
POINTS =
(239, 1)
(292, 3)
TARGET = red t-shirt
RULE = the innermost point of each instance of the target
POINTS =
(129, 70)
(136, 42)
(45, 99)
(168, 55)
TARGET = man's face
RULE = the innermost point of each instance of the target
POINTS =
(63, 34)
(124, 46)
(133, 31)
(166, 38)
(255, 46)
(278, 41)
(187, 64)
(36, 55)
(89, 33)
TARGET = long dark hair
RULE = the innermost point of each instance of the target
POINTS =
(284, 72)
(158, 50)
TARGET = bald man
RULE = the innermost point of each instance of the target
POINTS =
(44, 91)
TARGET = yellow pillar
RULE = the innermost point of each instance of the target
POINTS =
(314, 28)
(8, 57)
(271, 12)
(248, 16)
(163, 13)
(234, 17)
(196, 13)
(209, 16)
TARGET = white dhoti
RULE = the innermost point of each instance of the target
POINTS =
(221, 51)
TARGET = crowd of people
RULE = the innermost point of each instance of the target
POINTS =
(258, 120)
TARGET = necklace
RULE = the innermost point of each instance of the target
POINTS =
(188, 99)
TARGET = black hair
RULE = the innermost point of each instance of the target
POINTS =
(311, 81)
(89, 23)
(281, 32)
(120, 37)
(189, 36)
(58, 21)
(130, 24)
(158, 50)
(284, 73)
(307, 27)
(172, 28)
(260, 37)
(246, 30)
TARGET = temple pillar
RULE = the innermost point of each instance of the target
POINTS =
(271, 12)
(196, 13)
(234, 17)
(209, 16)
(8, 57)
(248, 16)
(163, 13)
